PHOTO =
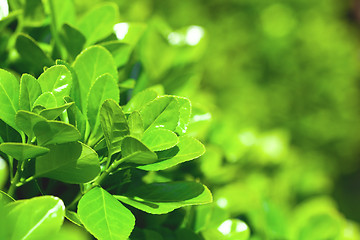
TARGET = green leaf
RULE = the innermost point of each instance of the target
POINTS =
(187, 149)
(53, 113)
(70, 162)
(63, 11)
(35, 218)
(22, 151)
(162, 112)
(55, 132)
(114, 125)
(72, 39)
(89, 65)
(8, 134)
(76, 118)
(185, 113)
(30, 51)
(120, 51)
(129, 33)
(46, 100)
(75, 89)
(30, 90)
(26, 121)
(104, 88)
(138, 101)
(104, 216)
(136, 152)
(73, 217)
(57, 80)
(5, 21)
(136, 125)
(5, 198)
(159, 139)
(160, 198)
(3, 174)
(9, 98)
(98, 23)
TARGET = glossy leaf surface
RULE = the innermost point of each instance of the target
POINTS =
(187, 149)
(160, 198)
(70, 162)
(136, 152)
(163, 112)
(35, 218)
(55, 132)
(22, 151)
(9, 98)
(57, 80)
(104, 216)
(89, 65)
(30, 90)
(160, 139)
(114, 125)
(185, 113)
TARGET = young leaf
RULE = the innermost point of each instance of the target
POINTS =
(104, 216)
(26, 121)
(30, 90)
(159, 139)
(9, 98)
(53, 113)
(76, 118)
(70, 162)
(35, 218)
(160, 198)
(30, 50)
(46, 100)
(187, 149)
(73, 217)
(136, 125)
(98, 22)
(104, 88)
(163, 112)
(55, 132)
(114, 125)
(72, 39)
(138, 101)
(22, 151)
(185, 113)
(57, 80)
(89, 65)
(136, 152)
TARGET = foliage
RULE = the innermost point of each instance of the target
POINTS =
(80, 138)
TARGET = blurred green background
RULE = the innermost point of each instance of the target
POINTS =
(275, 93)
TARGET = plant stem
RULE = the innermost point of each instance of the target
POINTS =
(15, 180)
(108, 171)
